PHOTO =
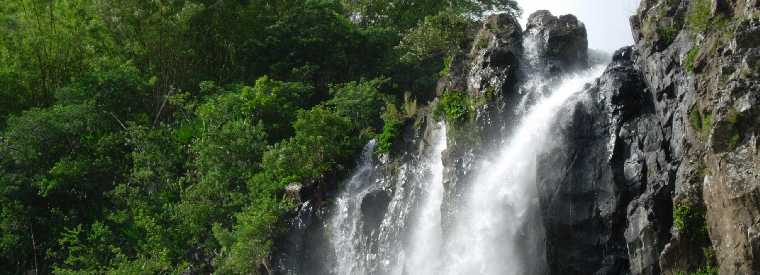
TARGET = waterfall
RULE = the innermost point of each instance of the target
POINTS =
(345, 223)
(409, 233)
(496, 232)
(497, 229)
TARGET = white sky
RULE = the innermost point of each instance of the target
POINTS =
(606, 20)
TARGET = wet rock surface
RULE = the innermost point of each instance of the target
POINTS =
(588, 181)
(562, 45)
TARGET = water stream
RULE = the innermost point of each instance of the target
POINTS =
(498, 231)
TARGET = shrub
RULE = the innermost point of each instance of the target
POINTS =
(691, 56)
(690, 221)
(446, 66)
(391, 129)
(702, 122)
(454, 106)
(735, 136)
(698, 18)
(695, 118)
(437, 35)
(359, 101)
(707, 120)
(667, 34)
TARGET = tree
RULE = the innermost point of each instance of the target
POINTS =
(58, 163)
(45, 45)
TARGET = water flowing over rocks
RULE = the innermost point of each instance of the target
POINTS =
(670, 127)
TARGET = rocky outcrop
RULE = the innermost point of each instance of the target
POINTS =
(669, 142)
(559, 43)
(492, 73)
(697, 59)
(489, 74)
(599, 167)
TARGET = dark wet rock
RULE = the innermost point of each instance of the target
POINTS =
(594, 185)
(711, 147)
(748, 34)
(561, 42)
(495, 55)
(373, 209)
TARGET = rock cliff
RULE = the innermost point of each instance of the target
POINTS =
(660, 174)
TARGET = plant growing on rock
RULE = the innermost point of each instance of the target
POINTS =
(454, 106)
(691, 56)
(689, 220)
(698, 18)
(391, 129)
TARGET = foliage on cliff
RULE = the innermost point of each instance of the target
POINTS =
(158, 136)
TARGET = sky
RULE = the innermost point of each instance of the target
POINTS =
(606, 20)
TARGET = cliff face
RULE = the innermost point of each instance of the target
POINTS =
(660, 172)
(659, 168)
(700, 60)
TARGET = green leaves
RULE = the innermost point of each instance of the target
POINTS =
(361, 102)
(437, 36)
(393, 122)
(454, 106)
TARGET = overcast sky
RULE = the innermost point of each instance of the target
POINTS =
(606, 20)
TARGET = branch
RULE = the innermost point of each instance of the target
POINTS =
(118, 120)
(161, 109)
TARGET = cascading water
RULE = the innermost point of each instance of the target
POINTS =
(497, 229)
(426, 235)
(466, 201)
(345, 224)
(388, 218)
(494, 233)
(409, 233)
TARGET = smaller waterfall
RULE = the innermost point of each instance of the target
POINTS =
(345, 223)
(408, 234)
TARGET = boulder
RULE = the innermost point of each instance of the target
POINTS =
(559, 44)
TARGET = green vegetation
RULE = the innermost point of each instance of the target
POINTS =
(482, 43)
(667, 33)
(446, 66)
(698, 18)
(658, 27)
(695, 118)
(391, 129)
(439, 35)
(689, 220)
(454, 106)
(157, 137)
(691, 56)
(735, 136)
(708, 268)
(707, 121)
(702, 122)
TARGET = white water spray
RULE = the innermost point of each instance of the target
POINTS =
(493, 233)
(345, 223)
(426, 235)
(412, 214)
